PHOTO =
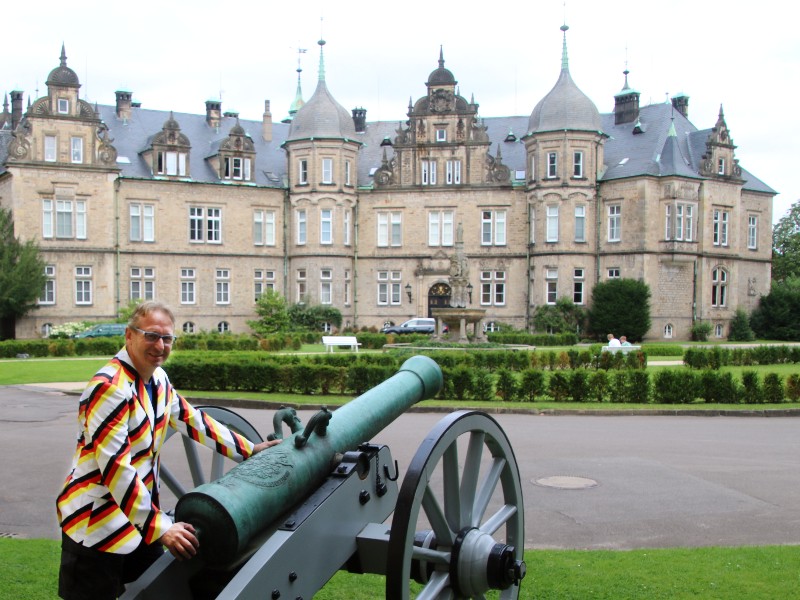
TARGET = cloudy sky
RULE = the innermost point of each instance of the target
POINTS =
(174, 55)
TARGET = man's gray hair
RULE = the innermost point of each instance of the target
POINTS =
(149, 307)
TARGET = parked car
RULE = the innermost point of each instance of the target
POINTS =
(103, 330)
(418, 325)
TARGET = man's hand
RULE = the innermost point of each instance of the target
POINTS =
(181, 541)
(264, 445)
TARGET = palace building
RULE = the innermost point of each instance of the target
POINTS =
(207, 211)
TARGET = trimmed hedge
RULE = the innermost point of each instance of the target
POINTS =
(723, 356)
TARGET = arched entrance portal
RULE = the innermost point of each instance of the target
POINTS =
(438, 297)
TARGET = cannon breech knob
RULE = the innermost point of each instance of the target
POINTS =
(317, 424)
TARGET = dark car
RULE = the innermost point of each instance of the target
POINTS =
(103, 330)
(418, 325)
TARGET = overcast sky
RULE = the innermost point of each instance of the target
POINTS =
(507, 54)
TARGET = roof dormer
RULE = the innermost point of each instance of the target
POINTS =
(719, 159)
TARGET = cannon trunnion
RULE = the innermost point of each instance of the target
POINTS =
(282, 523)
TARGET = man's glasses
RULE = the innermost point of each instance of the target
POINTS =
(152, 337)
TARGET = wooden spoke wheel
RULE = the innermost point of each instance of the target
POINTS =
(458, 527)
(218, 465)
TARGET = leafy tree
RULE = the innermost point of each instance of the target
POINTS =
(124, 313)
(786, 245)
(313, 318)
(273, 310)
(777, 316)
(740, 330)
(21, 276)
(620, 306)
(562, 317)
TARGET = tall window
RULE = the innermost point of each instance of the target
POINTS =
(143, 283)
(390, 229)
(493, 288)
(347, 287)
(76, 150)
(205, 225)
(552, 223)
(679, 222)
(262, 281)
(552, 165)
(327, 170)
(453, 172)
(614, 222)
(752, 232)
(187, 286)
(326, 226)
(326, 286)
(48, 295)
(50, 148)
(493, 228)
(348, 176)
(577, 165)
(348, 218)
(580, 223)
(440, 228)
(721, 166)
(83, 285)
(441, 135)
(223, 285)
(551, 286)
(719, 287)
(302, 171)
(389, 288)
(64, 219)
(428, 168)
(302, 226)
(142, 222)
(302, 290)
(720, 227)
(264, 227)
(577, 286)
(62, 106)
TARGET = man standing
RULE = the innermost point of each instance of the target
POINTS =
(112, 524)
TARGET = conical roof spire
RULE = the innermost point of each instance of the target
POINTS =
(564, 59)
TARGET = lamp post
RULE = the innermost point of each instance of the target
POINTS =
(469, 292)
(408, 292)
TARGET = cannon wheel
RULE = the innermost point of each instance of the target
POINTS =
(430, 547)
(232, 421)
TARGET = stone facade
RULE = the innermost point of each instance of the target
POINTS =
(207, 211)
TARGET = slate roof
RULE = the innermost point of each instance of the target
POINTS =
(648, 153)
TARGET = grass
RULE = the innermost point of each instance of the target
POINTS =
(30, 571)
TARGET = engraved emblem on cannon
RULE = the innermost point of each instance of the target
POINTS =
(283, 522)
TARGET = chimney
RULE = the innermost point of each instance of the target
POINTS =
(626, 103)
(266, 126)
(123, 104)
(680, 103)
(213, 112)
(16, 108)
(360, 119)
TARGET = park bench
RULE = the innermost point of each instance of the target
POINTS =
(623, 349)
(332, 341)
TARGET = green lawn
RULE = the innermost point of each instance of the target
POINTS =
(30, 571)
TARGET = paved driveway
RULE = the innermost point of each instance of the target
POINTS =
(661, 481)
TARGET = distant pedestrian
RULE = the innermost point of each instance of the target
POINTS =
(612, 341)
(623, 341)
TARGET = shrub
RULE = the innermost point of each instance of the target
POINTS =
(532, 384)
(598, 386)
(740, 327)
(558, 386)
(752, 387)
(674, 387)
(619, 387)
(773, 388)
(639, 386)
(793, 387)
(483, 385)
(700, 331)
(462, 380)
(506, 385)
(579, 386)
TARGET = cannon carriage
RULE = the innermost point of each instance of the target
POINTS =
(327, 498)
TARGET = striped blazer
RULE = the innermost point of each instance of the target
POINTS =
(107, 499)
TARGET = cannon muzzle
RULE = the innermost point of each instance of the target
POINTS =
(229, 512)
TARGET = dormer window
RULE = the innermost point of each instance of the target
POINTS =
(441, 135)
(170, 151)
(171, 163)
(721, 166)
(63, 106)
(237, 167)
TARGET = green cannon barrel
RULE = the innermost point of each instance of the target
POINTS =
(230, 511)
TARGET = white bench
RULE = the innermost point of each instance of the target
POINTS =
(623, 349)
(331, 341)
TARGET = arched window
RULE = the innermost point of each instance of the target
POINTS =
(719, 287)
(188, 327)
(668, 330)
(223, 327)
(718, 330)
(47, 329)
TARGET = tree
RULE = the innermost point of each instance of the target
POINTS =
(273, 309)
(313, 318)
(620, 306)
(777, 316)
(22, 276)
(562, 317)
(786, 245)
(740, 330)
